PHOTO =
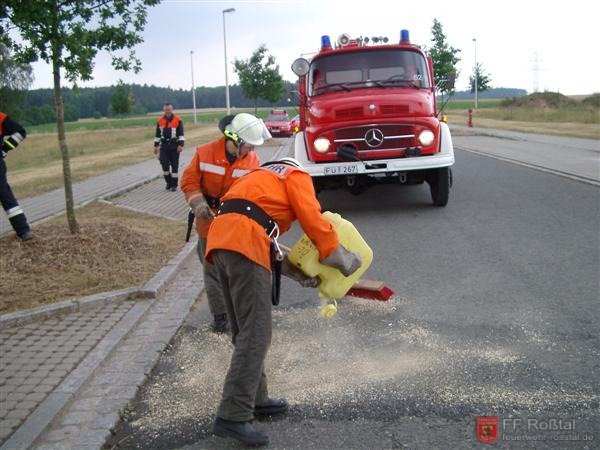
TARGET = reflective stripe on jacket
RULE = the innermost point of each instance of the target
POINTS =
(210, 173)
(285, 194)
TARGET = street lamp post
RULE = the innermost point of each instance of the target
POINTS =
(475, 75)
(225, 11)
(193, 87)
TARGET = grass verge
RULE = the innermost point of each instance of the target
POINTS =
(148, 120)
(36, 167)
(115, 249)
(486, 119)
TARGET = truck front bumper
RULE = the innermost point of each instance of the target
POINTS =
(445, 158)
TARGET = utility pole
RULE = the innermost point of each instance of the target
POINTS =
(225, 11)
(536, 72)
(193, 87)
(476, 75)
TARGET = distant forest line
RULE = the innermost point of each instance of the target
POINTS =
(37, 106)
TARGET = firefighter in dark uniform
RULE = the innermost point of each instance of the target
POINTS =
(168, 144)
(11, 135)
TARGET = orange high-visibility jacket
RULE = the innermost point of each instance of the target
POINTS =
(209, 173)
(169, 131)
(285, 193)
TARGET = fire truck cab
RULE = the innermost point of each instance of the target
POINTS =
(368, 115)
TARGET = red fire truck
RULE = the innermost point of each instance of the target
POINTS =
(368, 114)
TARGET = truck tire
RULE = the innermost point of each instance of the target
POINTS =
(439, 185)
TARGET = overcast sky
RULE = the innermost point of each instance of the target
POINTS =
(509, 35)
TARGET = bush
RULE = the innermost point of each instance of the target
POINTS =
(97, 115)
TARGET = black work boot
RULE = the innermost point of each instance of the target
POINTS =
(168, 181)
(26, 236)
(242, 431)
(220, 323)
(271, 407)
(174, 181)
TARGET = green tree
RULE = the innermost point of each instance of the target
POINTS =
(483, 79)
(259, 77)
(121, 101)
(15, 79)
(445, 57)
(68, 35)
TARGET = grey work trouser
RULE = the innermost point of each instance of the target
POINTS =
(214, 293)
(247, 293)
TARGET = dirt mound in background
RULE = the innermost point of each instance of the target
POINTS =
(540, 100)
(592, 101)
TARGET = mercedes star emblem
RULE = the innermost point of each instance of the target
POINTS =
(374, 137)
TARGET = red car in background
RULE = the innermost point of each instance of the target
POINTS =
(278, 123)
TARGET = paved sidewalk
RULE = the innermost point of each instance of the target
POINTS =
(86, 422)
(52, 203)
(37, 357)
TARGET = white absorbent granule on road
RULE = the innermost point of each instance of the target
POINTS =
(367, 354)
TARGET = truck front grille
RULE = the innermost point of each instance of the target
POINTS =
(376, 137)
(349, 112)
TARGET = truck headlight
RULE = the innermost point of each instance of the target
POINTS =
(426, 138)
(322, 144)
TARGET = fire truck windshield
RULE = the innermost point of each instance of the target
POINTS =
(366, 69)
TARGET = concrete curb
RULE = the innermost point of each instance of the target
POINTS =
(64, 307)
(156, 286)
(25, 436)
(150, 290)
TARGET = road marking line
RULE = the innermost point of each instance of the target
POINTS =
(535, 167)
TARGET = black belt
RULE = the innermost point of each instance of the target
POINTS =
(248, 209)
(256, 213)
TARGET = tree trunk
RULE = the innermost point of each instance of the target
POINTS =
(62, 143)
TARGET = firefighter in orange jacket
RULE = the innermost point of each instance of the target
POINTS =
(242, 245)
(168, 144)
(11, 135)
(209, 175)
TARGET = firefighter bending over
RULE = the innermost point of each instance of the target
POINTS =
(242, 244)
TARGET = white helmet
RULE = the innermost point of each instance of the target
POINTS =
(247, 128)
(286, 160)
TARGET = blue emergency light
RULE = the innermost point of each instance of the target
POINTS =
(404, 37)
(325, 41)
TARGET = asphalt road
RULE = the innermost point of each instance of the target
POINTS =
(573, 157)
(495, 314)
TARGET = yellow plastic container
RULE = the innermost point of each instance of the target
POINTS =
(334, 285)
